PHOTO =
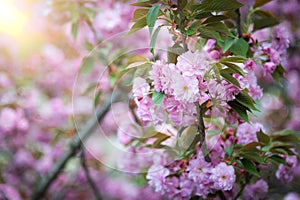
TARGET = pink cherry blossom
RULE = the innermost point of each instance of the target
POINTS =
(223, 177)
(197, 63)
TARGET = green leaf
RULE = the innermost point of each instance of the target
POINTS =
(251, 146)
(246, 100)
(160, 138)
(260, 23)
(250, 167)
(262, 137)
(252, 156)
(284, 151)
(74, 29)
(137, 65)
(227, 75)
(229, 150)
(228, 42)
(285, 136)
(278, 74)
(215, 18)
(90, 13)
(174, 52)
(233, 59)
(263, 13)
(97, 98)
(142, 72)
(158, 97)
(217, 5)
(87, 65)
(278, 160)
(190, 31)
(145, 3)
(234, 67)
(208, 33)
(277, 144)
(239, 47)
(259, 3)
(239, 109)
(139, 24)
(139, 13)
(203, 15)
(219, 27)
(152, 16)
(153, 39)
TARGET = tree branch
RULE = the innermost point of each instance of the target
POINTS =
(201, 132)
(238, 23)
(182, 25)
(74, 145)
(88, 176)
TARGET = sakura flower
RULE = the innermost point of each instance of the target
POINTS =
(214, 54)
(140, 87)
(249, 64)
(210, 45)
(8, 119)
(285, 173)
(167, 77)
(230, 91)
(255, 92)
(223, 177)
(199, 170)
(291, 196)
(156, 73)
(190, 64)
(156, 177)
(269, 67)
(246, 133)
(185, 88)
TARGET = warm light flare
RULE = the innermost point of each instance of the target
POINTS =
(12, 20)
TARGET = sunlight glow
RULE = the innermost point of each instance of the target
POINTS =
(12, 20)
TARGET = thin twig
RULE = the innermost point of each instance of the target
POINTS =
(74, 145)
(238, 23)
(89, 178)
(201, 131)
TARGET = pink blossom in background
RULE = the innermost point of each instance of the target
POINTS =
(256, 191)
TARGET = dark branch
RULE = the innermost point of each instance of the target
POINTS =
(74, 146)
(201, 133)
(89, 178)
(182, 25)
(238, 23)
